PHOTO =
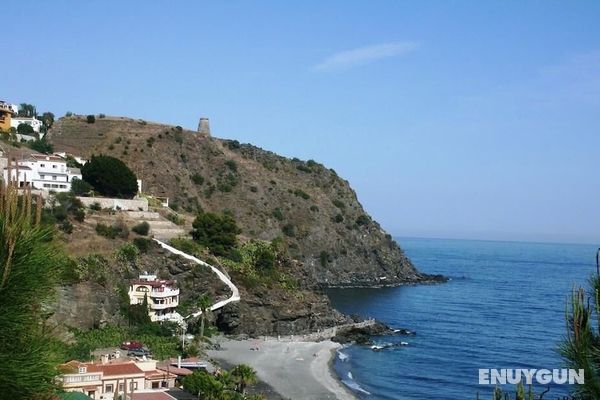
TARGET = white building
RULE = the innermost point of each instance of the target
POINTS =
(44, 172)
(162, 297)
(35, 123)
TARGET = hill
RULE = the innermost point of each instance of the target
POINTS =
(270, 196)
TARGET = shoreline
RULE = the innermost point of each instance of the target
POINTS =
(293, 369)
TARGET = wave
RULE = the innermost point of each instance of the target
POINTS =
(352, 384)
(343, 356)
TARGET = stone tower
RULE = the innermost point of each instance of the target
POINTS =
(203, 126)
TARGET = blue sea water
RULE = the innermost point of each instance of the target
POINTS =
(503, 308)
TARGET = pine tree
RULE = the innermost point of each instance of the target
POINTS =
(29, 265)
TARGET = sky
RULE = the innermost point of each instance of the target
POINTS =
(454, 119)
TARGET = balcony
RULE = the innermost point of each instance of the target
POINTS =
(164, 293)
(164, 306)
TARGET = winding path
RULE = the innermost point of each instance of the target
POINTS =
(235, 293)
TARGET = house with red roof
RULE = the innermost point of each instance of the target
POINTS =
(107, 380)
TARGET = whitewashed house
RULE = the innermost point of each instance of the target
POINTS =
(162, 297)
(35, 123)
(41, 171)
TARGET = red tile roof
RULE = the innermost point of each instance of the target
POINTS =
(122, 368)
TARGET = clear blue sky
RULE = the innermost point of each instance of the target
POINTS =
(474, 119)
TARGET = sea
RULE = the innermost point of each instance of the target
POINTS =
(503, 307)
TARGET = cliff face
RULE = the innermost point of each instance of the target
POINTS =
(315, 210)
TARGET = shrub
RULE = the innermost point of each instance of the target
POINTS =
(217, 232)
(362, 220)
(41, 146)
(314, 208)
(253, 189)
(142, 228)
(143, 244)
(301, 193)
(128, 253)
(289, 230)
(339, 204)
(277, 214)
(232, 165)
(95, 206)
(68, 114)
(112, 231)
(25, 129)
(186, 245)
(197, 179)
(176, 219)
(90, 119)
(110, 176)
(66, 204)
(303, 168)
(79, 187)
(338, 218)
(324, 258)
(66, 227)
(101, 115)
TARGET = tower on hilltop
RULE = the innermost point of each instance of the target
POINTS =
(204, 126)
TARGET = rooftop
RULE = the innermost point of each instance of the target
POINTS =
(115, 369)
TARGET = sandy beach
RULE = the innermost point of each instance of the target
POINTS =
(295, 370)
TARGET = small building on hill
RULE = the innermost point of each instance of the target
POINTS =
(35, 123)
(43, 172)
(161, 295)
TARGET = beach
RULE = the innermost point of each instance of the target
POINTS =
(294, 369)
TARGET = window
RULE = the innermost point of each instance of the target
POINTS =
(82, 370)
(155, 385)
(108, 389)
(141, 289)
(133, 386)
(121, 387)
(42, 165)
(54, 178)
(54, 166)
(42, 176)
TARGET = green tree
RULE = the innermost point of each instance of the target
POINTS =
(25, 129)
(41, 146)
(204, 385)
(581, 347)
(110, 177)
(217, 232)
(48, 119)
(243, 375)
(79, 187)
(204, 303)
(27, 110)
(30, 262)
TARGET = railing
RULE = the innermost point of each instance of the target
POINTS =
(176, 317)
(164, 293)
(163, 306)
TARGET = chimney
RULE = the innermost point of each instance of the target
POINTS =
(104, 358)
(203, 126)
